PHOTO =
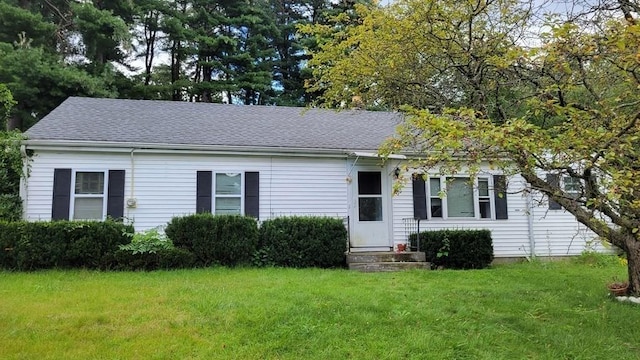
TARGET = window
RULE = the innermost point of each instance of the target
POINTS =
(572, 186)
(228, 194)
(369, 196)
(435, 202)
(465, 198)
(484, 200)
(459, 198)
(89, 196)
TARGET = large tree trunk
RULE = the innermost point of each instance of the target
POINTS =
(632, 245)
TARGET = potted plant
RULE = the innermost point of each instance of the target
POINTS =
(618, 288)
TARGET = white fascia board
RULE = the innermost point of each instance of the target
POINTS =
(375, 155)
(125, 147)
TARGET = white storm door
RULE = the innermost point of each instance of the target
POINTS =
(370, 215)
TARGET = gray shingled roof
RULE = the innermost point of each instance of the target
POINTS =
(168, 122)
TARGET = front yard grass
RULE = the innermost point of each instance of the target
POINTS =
(519, 311)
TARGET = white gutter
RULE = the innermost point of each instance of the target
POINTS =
(99, 146)
(375, 155)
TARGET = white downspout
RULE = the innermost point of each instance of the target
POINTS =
(23, 192)
(532, 238)
(131, 201)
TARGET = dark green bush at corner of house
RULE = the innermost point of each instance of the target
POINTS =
(302, 242)
(62, 244)
(456, 249)
(215, 239)
(10, 236)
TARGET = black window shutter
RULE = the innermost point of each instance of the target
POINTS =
(419, 198)
(61, 194)
(203, 191)
(554, 181)
(500, 196)
(252, 194)
(115, 194)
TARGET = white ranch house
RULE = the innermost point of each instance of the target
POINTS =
(148, 161)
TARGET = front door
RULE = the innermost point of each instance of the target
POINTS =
(370, 209)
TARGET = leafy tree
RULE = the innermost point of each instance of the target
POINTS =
(10, 162)
(40, 81)
(566, 105)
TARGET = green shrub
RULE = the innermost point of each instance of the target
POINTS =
(168, 258)
(302, 242)
(60, 244)
(10, 235)
(11, 170)
(148, 241)
(456, 249)
(215, 239)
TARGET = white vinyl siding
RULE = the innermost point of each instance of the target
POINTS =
(164, 184)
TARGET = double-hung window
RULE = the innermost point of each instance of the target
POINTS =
(462, 197)
(435, 202)
(484, 200)
(234, 193)
(228, 193)
(89, 195)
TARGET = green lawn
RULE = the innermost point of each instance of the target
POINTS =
(521, 311)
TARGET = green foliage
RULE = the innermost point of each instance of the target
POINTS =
(6, 104)
(150, 250)
(215, 239)
(11, 170)
(302, 242)
(456, 249)
(148, 242)
(161, 259)
(598, 259)
(60, 244)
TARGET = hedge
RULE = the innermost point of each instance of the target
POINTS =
(228, 240)
(60, 244)
(456, 249)
(302, 242)
(163, 259)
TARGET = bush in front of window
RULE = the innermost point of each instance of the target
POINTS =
(227, 240)
(302, 242)
(456, 249)
(60, 244)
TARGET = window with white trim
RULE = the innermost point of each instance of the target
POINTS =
(89, 195)
(484, 200)
(435, 202)
(572, 186)
(228, 193)
(463, 198)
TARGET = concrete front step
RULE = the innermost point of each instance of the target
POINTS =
(388, 266)
(385, 256)
(387, 261)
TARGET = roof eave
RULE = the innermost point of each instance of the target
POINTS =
(80, 145)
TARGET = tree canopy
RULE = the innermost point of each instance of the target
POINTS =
(241, 51)
(534, 94)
